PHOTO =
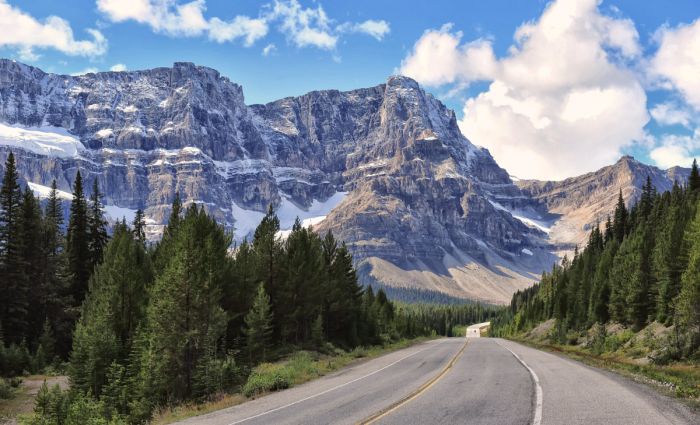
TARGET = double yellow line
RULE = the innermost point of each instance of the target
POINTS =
(423, 388)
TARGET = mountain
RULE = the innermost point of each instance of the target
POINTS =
(385, 168)
(578, 203)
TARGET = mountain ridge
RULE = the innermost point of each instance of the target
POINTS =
(386, 168)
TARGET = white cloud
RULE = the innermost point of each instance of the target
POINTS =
(668, 113)
(269, 49)
(371, 27)
(676, 150)
(677, 61)
(561, 102)
(183, 19)
(303, 26)
(438, 58)
(240, 27)
(119, 67)
(25, 33)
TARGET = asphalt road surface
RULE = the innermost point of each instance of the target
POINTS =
(347, 396)
(492, 381)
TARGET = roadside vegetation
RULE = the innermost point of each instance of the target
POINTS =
(630, 300)
(141, 328)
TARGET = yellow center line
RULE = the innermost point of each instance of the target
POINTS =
(423, 388)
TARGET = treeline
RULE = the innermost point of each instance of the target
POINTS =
(143, 326)
(644, 266)
(441, 319)
(44, 271)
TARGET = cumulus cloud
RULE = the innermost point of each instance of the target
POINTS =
(668, 113)
(438, 57)
(676, 150)
(27, 34)
(302, 26)
(560, 103)
(677, 60)
(119, 67)
(183, 19)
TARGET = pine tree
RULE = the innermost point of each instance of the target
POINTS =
(175, 215)
(688, 307)
(620, 219)
(139, 226)
(301, 292)
(184, 317)
(239, 293)
(113, 310)
(32, 258)
(78, 248)
(258, 327)
(14, 291)
(97, 226)
(694, 178)
(57, 301)
(268, 261)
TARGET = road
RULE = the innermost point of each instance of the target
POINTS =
(492, 381)
(347, 396)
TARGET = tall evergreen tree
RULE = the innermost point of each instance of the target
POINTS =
(14, 302)
(57, 300)
(258, 327)
(268, 262)
(688, 309)
(113, 310)
(97, 226)
(185, 320)
(620, 219)
(32, 258)
(694, 178)
(78, 248)
(175, 215)
(139, 226)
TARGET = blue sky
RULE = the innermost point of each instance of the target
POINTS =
(643, 90)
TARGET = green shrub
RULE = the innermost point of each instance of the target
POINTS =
(6, 390)
(616, 341)
(264, 378)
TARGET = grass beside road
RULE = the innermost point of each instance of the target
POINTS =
(300, 367)
(681, 380)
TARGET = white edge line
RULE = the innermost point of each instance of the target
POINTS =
(328, 390)
(537, 419)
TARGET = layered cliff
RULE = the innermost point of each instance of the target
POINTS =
(385, 167)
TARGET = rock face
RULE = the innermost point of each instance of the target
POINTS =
(385, 168)
(580, 202)
(419, 205)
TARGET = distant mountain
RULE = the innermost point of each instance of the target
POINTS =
(577, 203)
(423, 210)
(386, 168)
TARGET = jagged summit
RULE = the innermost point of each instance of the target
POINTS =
(386, 168)
(584, 200)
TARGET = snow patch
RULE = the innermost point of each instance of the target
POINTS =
(527, 251)
(246, 221)
(288, 211)
(104, 133)
(45, 140)
(116, 213)
(520, 215)
(306, 223)
(43, 192)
